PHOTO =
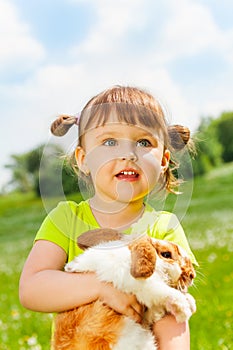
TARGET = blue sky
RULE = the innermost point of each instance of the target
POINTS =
(56, 54)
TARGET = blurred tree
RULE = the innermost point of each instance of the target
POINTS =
(55, 176)
(34, 158)
(21, 179)
(209, 149)
(224, 129)
(44, 171)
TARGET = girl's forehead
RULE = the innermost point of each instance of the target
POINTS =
(124, 130)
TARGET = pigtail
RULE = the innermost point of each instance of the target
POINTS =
(62, 124)
(180, 138)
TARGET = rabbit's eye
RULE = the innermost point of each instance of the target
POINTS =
(167, 255)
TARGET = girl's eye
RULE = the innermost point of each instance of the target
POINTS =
(144, 143)
(110, 142)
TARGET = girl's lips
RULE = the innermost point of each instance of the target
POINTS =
(128, 175)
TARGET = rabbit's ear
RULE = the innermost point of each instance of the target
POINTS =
(143, 258)
(93, 237)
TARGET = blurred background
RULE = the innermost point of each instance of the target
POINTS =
(54, 56)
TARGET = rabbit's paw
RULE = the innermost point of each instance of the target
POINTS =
(181, 307)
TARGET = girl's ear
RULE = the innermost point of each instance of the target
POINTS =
(165, 160)
(80, 157)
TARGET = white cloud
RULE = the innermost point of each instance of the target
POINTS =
(112, 24)
(103, 58)
(189, 29)
(227, 47)
(18, 49)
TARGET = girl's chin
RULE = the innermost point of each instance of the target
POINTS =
(117, 203)
(108, 206)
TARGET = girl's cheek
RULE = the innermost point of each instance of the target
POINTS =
(153, 158)
(98, 158)
(151, 166)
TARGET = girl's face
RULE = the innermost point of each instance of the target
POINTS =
(124, 161)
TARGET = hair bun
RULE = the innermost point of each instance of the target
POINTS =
(62, 124)
(179, 136)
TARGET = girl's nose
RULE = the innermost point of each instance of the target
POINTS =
(130, 156)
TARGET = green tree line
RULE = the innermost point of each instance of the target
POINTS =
(44, 169)
(214, 143)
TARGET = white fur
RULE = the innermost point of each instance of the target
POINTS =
(135, 337)
(112, 261)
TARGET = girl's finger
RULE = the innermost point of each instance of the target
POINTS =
(132, 313)
(139, 308)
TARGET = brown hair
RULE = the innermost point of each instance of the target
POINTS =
(132, 106)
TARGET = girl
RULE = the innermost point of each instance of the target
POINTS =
(123, 152)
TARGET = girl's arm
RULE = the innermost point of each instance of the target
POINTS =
(45, 287)
(172, 335)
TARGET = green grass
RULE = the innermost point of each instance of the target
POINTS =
(19, 220)
(208, 224)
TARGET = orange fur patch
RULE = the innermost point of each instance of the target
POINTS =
(143, 258)
(93, 327)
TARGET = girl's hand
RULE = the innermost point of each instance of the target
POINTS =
(123, 303)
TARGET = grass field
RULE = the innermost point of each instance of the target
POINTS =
(208, 224)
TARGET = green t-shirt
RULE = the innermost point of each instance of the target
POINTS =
(69, 220)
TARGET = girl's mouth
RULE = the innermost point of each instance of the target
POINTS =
(129, 175)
